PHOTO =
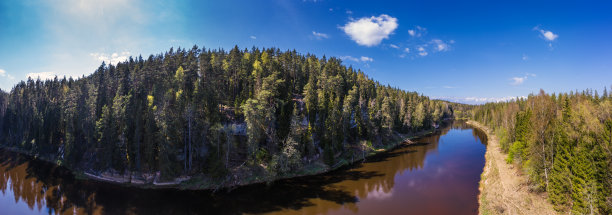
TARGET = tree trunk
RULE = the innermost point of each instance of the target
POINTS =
(190, 146)
(227, 152)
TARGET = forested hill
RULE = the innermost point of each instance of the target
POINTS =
(211, 113)
(563, 143)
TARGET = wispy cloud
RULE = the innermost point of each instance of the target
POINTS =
(520, 80)
(113, 58)
(363, 59)
(3, 73)
(479, 100)
(319, 36)
(394, 46)
(41, 75)
(531, 74)
(351, 58)
(422, 51)
(525, 57)
(423, 46)
(440, 45)
(370, 31)
(366, 59)
(418, 31)
(253, 37)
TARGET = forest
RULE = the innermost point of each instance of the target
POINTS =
(212, 114)
(562, 142)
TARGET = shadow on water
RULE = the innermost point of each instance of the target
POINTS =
(47, 188)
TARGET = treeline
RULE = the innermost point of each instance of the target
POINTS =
(210, 112)
(562, 142)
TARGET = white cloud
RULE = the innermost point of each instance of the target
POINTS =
(525, 57)
(440, 45)
(417, 32)
(361, 59)
(370, 31)
(319, 36)
(41, 75)
(349, 12)
(518, 80)
(3, 73)
(351, 58)
(491, 99)
(113, 58)
(548, 35)
(426, 45)
(394, 46)
(366, 59)
(422, 51)
(253, 37)
(479, 100)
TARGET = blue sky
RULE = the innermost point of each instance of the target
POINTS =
(463, 51)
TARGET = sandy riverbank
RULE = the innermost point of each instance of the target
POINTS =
(503, 187)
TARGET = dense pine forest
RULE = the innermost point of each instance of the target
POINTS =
(212, 114)
(562, 142)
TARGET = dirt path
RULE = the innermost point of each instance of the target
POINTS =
(503, 188)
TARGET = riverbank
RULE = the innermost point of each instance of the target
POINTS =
(503, 187)
(241, 175)
(245, 176)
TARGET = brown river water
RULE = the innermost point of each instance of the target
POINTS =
(437, 175)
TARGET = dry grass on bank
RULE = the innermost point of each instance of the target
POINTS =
(503, 188)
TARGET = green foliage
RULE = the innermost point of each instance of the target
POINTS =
(516, 151)
(563, 144)
(201, 111)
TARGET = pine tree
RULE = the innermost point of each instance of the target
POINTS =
(560, 184)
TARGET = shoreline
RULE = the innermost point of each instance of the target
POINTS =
(503, 187)
(198, 182)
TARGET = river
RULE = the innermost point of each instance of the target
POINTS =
(439, 174)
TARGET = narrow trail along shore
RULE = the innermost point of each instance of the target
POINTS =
(503, 187)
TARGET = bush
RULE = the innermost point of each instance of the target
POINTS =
(516, 151)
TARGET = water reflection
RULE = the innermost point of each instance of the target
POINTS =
(440, 171)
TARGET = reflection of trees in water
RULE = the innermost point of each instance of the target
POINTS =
(478, 134)
(390, 163)
(19, 176)
(42, 185)
(396, 161)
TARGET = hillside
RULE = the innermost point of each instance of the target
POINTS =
(212, 116)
